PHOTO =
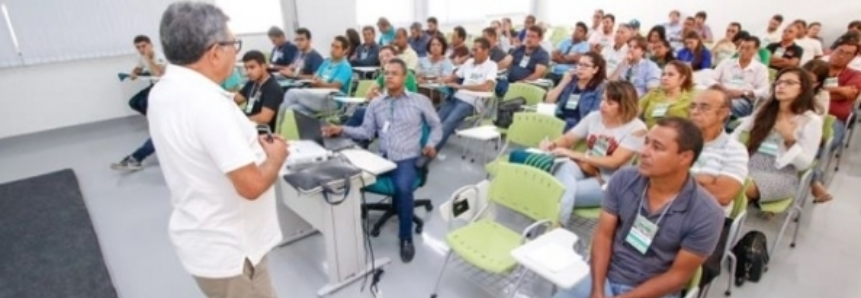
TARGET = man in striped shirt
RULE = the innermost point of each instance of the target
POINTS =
(722, 166)
(399, 118)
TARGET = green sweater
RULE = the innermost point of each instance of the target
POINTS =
(411, 84)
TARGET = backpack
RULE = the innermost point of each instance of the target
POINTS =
(751, 257)
(506, 110)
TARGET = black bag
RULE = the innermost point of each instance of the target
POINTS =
(331, 177)
(505, 113)
(752, 257)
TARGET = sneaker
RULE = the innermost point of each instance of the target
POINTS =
(127, 164)
(408, 251)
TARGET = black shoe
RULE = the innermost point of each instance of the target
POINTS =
(408, 251)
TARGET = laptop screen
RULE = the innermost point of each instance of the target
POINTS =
(309, 128)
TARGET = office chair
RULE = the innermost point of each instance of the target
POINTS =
(385, 187)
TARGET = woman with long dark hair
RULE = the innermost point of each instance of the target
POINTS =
(662, 53)
(355, 40)
(782, 137)
(580, 90)
(695, 53)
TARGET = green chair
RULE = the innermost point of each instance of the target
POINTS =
(693, 288)
(486, 244)
(827, 138)
(527, 130)
(738, 215)
(363, 88)
(533, 94)
(558, 34)
(285, 124)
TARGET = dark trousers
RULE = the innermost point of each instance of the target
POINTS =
(452, 113)
(403, 178)
(712, 266)
(140, 102)
(144, 151)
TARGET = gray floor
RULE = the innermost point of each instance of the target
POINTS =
(130, 213)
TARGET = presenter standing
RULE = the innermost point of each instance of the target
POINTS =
(220, 173)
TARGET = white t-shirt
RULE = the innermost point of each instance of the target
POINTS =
(812, 48)
(599, 38)
(158, 58)
(614, 57)
(200, 137)
(723, 156)
(823, 100)
(769, 38)
(603, 141)
(475, 74)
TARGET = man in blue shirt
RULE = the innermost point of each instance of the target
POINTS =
(366, 54)
(387, 32)
(307, 60)
(643, 73)
(399, 117)
(284, 52)
(657, 225)
(334, 73)
(529, 61)
(568, 52)
(419, 40)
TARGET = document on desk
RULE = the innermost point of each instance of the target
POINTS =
(367, 161)
(555, 257)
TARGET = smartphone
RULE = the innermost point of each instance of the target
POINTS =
(264, 130)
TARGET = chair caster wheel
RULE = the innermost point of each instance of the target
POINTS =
(792, 245)
(463, 157)
(428, 207)
(433, 296)
(419, 229)
(375, 233)
(727, 293)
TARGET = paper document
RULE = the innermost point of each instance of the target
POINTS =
(546, 109)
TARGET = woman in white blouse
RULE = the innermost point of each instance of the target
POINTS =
(783, 137)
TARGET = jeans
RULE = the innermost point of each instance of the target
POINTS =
(451, 114)
(306, 102)
(583, 289)
(144, 151)
(357, 118)
(580, 191)
(839, 132)
(741, 108)
(501, 87)
(403, 178)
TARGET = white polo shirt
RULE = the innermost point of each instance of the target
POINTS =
(475, 74)
(614, 57)
(754, 77)
(810, 47)
(723, 156)
(201, 136)
(599, 38)
(158, 58)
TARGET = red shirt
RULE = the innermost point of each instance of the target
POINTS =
(841, 107)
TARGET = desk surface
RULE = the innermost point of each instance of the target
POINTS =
(351, 100)
(366, 68)
(552, 256)
(477, 94)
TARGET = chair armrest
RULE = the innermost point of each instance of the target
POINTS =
(447, 208)
(527, 232)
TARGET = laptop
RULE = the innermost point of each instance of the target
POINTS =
(311, 129)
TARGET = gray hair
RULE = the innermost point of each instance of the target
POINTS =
(416, 25)
(189, 29)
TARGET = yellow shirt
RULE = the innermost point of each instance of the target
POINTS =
(654, 105)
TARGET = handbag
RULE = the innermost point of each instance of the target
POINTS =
(331, 178)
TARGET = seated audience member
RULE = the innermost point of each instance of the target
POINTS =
(655, 35)
(435, 64)
(387, 53)
(643, 73)
(744, 79)
(433, 27)
(387, 32)
(702, 28)
(673, 98)
(580, 91)
(688, 26)
(843, 85)
(149, 63)
(405, 51)
(813, 30)
(613, 135)
(762, 54)
(261, 95)
(355, 41)
(233, 82)
(603, 38)
(674, 30)
(782, 137)
(418, 40)
(459, 51)
(568, 52)
(722, 166)
(398, 118)
(811, 48)
(662, 53)
(497, 53)
(544, 43)
(772, 32)
(726, 47)
(528, 61)
(819, 71)
(334, 73)
(508, 32)
(476, 74)
(307, 61)
(618, 51)
(529, 21)
(657, 225)
(502, 41)
(853, 29)
(695, 53)
(785, 53)
(635, 28)
(284, 52)
(366, 54)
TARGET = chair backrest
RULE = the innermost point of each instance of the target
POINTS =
(533, 94)
(528, 191)
(694, 283)
(363, 88)
(828, 127)
(740, 201)
(529, 129)
(286, 125)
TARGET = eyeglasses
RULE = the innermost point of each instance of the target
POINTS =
(700, 106)
(786, 83)
(237, 44)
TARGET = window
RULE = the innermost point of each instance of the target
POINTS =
(399, 12)
(460, 11)
(252, 16)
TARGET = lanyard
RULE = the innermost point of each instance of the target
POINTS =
(663, 213)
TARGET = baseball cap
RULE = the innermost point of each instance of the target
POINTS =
(634, 24)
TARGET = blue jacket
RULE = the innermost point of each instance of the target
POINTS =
(589, 101)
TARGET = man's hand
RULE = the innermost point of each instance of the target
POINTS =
(786, 129)
(429, 151)
(373, 93)
(286, 71)
(453, 85)
(567, 76)
(133, 76)
(275, 149)
(332, 130)
(734, 94)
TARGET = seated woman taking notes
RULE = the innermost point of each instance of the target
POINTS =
(613, 135)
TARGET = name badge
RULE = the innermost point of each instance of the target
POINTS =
(386, 127)
(612, 63)
(524, 62)
(831, 83)
(779, 52)
(249, 106)
(769, 146)
(277, 55)
(642, 233)
(573, 100)
(737, 81)
(363, 55)
(600, 147)
(660, 110)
